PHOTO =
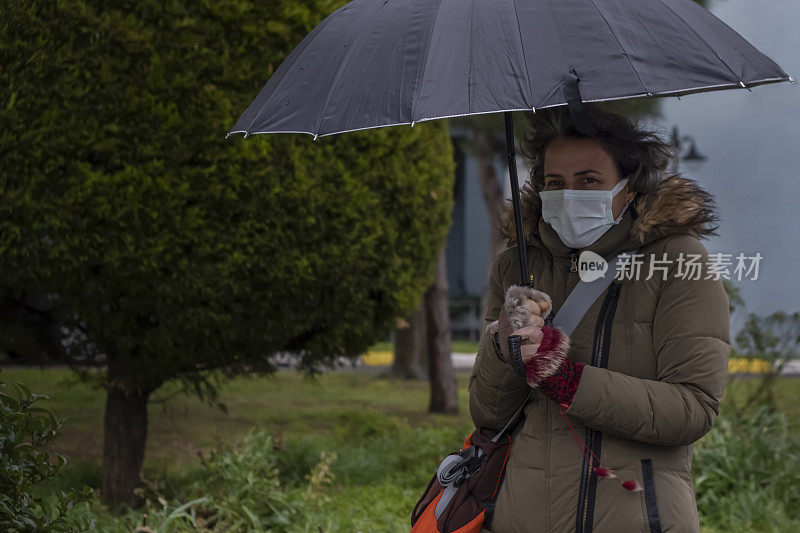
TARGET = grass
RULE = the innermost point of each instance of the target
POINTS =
(285, 404)
(787, 394)
(362, 419)
(459, 346)
(386, 446)
(382, 353)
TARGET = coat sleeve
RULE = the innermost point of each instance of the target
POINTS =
(691, 339)
(495, 390)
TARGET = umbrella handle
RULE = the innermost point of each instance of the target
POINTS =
(515, 353)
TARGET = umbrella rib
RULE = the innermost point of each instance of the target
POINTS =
(620, 46)
(471, 41)
(522, 47)
(353, 47)
(741, 81)
(425, 66)
(316, 31)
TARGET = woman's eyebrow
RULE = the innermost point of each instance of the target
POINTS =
(581, 173)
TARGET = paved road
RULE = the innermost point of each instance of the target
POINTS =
(464, 362)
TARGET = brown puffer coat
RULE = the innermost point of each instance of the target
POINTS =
(656, 352)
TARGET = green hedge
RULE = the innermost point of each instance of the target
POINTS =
(125, 210)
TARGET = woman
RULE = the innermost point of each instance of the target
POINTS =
(641, 377)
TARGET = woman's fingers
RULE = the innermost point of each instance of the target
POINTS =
(535, 307)
(542, 306)
(531, 333)
(535, 320)
(532, 306)
(528, 350)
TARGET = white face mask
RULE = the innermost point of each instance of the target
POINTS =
(580, 217)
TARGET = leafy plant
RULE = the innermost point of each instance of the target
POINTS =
(774, 339)
(239, 491)
(747, 471)
(245, 489)
(25, 430)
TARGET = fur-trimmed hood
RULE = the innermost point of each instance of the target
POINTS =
(678, 206)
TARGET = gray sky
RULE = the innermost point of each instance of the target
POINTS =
(752, 142)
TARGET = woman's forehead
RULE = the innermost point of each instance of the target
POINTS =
(570, 153)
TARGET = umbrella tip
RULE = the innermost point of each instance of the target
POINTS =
(791, 79)
(227, 135)
(246, 134)
(315, 136)
(413, 122)
(533, 109)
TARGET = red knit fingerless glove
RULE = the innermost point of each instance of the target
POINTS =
(549, 357)
(550, 370)
(561, 386)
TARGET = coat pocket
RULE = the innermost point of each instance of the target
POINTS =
(650, 496)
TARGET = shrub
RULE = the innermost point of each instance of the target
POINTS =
(237, 489)
(244, 489)
(25, 429)
(747, 472)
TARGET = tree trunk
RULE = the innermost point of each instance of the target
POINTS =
(490, 186)
(123, 443)
(492, 191)
(444, 393)
(409, 347)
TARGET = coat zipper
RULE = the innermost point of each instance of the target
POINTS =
(600, 359)
(547, 473)
(573, 260)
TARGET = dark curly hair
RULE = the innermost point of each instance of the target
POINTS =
(639, 154)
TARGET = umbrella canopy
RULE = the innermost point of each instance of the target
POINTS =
(374, 63)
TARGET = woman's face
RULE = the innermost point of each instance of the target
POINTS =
(582, 164)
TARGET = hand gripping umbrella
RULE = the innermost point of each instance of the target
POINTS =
(374, 63)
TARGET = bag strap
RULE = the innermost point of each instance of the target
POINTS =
(582, 296)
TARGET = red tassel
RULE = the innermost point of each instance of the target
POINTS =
(602, 471)
(632, 485)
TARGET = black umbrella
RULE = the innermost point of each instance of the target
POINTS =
(375, 63)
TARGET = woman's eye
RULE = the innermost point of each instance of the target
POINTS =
(591, 180)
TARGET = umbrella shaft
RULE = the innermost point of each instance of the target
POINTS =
(512, 172)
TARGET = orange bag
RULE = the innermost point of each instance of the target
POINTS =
(460, 497)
